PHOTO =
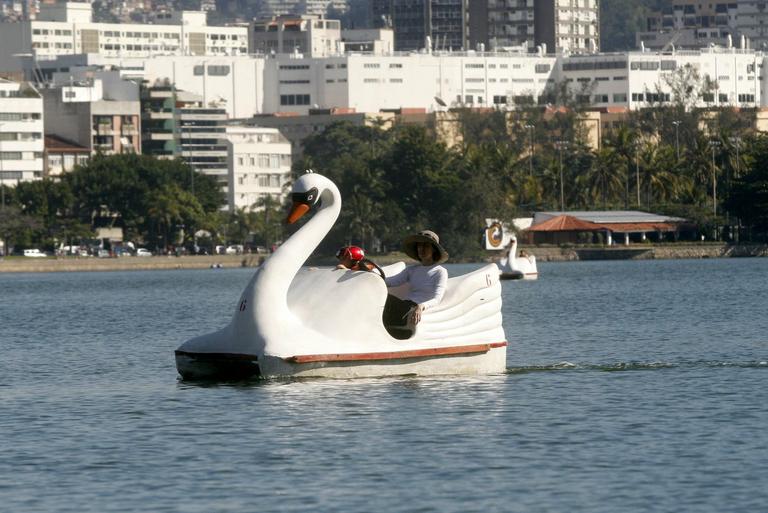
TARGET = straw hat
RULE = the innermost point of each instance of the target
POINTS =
(409, 245)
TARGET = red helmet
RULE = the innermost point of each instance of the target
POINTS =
(353, 253)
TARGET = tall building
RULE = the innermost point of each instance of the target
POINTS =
(501, 23)
(443, 21)
(178, 124)
(688, 24)
(21, 133)
(567, 25)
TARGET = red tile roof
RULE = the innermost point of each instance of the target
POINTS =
(565, 223)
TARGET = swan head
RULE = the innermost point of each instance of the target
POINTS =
(305, 195)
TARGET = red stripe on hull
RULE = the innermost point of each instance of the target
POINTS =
(396, 355)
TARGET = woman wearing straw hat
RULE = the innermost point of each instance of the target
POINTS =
(427, 282)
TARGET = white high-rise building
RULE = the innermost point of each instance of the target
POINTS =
(21, 133)
(259, 166)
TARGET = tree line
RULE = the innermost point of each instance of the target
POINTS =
(708, 166)
(157, 203)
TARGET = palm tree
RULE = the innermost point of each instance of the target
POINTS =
(603, 180)
(659, 179)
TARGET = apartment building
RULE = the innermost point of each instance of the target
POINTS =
(259, 162)
(444, 22)
(21, 133)
(66, 28)
(567, 25)
(176, 123)
(501, 23)
(98, 110)
(691, 25)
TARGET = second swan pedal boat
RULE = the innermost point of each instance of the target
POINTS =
(291, 321)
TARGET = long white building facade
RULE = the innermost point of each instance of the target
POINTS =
(67, 29)
(249, 85)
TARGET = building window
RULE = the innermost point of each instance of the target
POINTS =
(294, 99)
(542, 68)
(218, 71)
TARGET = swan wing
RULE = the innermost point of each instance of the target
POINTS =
(340, 305)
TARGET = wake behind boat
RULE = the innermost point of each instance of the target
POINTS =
(285, 325)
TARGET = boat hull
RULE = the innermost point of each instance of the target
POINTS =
(517, 275)
(216, 366)
(463, 360)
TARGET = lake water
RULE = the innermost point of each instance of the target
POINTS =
(631, 386)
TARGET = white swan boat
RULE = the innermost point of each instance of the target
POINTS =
(291, 321)
(512, 266)
(515, 267)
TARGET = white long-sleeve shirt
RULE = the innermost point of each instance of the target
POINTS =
(427, 283)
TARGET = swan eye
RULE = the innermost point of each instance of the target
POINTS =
(308, 198)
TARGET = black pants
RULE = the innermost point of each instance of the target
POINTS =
(396, 316)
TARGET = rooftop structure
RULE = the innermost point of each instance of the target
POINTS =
(312, 36)
(98, 110)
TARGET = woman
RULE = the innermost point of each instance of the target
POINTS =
(427, 282)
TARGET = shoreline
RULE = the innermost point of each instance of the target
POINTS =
(542, 253)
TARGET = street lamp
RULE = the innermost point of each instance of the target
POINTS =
(736, 141)
(677, 138)
(560, 145)
(714, 144)
(637, 171)
(530, 128)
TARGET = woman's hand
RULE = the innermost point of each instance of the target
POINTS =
(416, 314)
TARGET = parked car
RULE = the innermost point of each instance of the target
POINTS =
(143, 252)
(235, 249)
(34, 253)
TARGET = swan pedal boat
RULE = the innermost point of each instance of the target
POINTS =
(513, 267)
(307, 322)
